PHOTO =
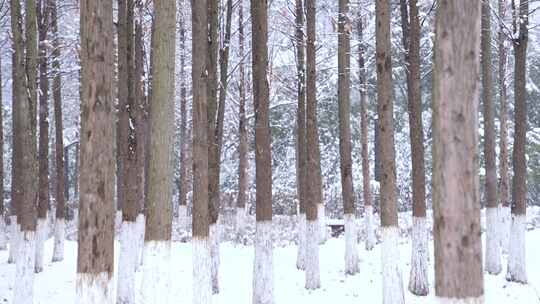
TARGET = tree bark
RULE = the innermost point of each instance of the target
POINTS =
(95, 261)
(242, 131)
(456, 201)
(184, 140)
(3, 239)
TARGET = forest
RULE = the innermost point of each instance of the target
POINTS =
(269, 151)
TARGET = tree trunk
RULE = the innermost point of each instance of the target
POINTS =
(517, 271)
(157, 246)
(16, 161)
(418, 280)
(184, 140)
(263, 261)
(59, 225)
(301, 136)
(3, 233)
(456, 201)
(200, 242)
(95, 261)
(347, 191)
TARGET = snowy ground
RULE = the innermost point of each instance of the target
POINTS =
(57, 283)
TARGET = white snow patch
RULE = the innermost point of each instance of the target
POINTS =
(3, 238)
(301, 253)
(41, 237)
(24, 274)
(127, 263)
(202, 282)
(505, 228)
(392, 282)
(156, 272)
(418, 279)
(321, 213)
(313, 277)
(517, 270)
(15, 230)
(59, 236)
(351, 240)
(141, 224)
(479, 300)
(369, 227)
(95, 288)
(492, 249)
(263, 266)
(214, 234)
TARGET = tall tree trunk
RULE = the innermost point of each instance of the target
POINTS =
(301, 135)
(157, 246)
(504, 195)
(59, 225)
(456, 201)
(391, 275)
(517, 271)
(347, 191)
(492, 254)
(184, 140)
(418, 280)
(313, 161)
(95, 261)
(200, 242)
(3, 233)
(43, 195)
(16, 161)
(263, 260)
(364, 122)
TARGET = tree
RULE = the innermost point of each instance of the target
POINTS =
(184, 140)
(410, 24)
(3, 241)
(157, 240)
(263, 260)
(59, 225)
(366, 193)
(15, 227)
(391, 274)
(301, 135)
(200, 217)
(313, 161)
(347, 191)
(517, 271)
(43, 153)
(492, 254)
(95, 260)
(456, 205)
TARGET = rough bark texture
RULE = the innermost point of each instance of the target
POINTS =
(96, 207)
(456, 214)
(158, 211)
(184, 140)
(344, 50)
(243, 140)
(504, 194)
(2, 207)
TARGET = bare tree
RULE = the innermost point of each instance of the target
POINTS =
(456, 204)
(3, 240)
(184, 140)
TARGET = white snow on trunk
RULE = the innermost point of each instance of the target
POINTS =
(59, 236)
(493, 250)
(313, 277)
(141, 224)
(129, 243)
(370, 231)
(15, 231)
(517, 271)
(24, 273)
(351, 242)
(301, 233)
(3, 232)
(95, 288)
(214, 232)
(183, 217)
(479, 300)
(240, 220)
(321, 213)
(418, 280)
(392, 282)
(156, 272)
(202, 280)
(506, 221)
(41, 237)
(263, 278)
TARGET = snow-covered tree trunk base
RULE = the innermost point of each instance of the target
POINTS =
(41, 237)
(351, 250)
(156, 272)
(95, 288)
(3, 238)
(24, 273)
(301, 252)
(202, 279)
(418, 280)
(479, 300)
(127, 263)
(59, 236)
(517, 271)
(392, 281)
(240, 222)
(214, 254)
(313, 277)
(493, 250)
(141, 224)
(15, 231)
(263, 279)
(506, 221)
(370, 232)
(321, 213)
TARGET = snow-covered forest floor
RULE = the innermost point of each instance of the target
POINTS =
(56, 284)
